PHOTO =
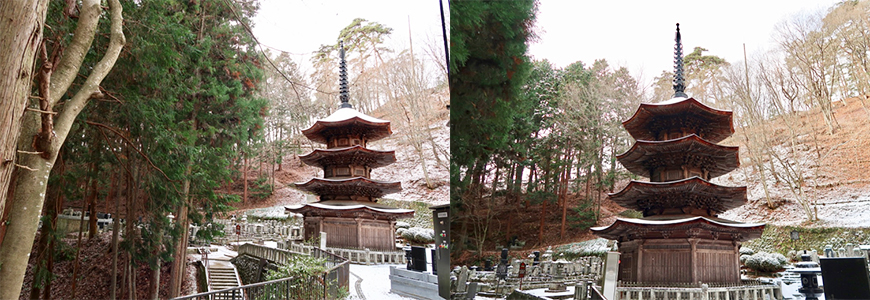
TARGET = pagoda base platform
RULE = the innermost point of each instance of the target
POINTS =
(353, 233)
(680, 260)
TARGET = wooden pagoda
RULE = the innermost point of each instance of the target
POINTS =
(680, 238)
(347, 209)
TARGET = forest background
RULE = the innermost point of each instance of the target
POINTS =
(536, 153)
(159, 112)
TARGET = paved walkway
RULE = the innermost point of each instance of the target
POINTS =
(366, 282)
(371, 283)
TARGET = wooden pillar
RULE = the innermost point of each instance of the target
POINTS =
(359, 237)
(693, 242)
(392, 234)
(639, 276)
(736, 261)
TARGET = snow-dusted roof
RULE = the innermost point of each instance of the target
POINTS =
(720, 222)
(349, 155)
(670, 101)
(693, 191)
(351, 119)
(646, 122)
(344, 207)
(360, 186)
(646, 155)
(349, 113)
(680, 227)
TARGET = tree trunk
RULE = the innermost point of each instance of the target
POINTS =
(31, 179)
(541, 227)
(116, 226)
(45, 246)
(176, 273)
(79, 246)
(245, 176)
(21, 25)
(92, 203)
(154, 284)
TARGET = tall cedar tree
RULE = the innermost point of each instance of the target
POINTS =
(182, 106)
(488, 65)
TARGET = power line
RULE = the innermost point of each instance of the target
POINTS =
(260, 46)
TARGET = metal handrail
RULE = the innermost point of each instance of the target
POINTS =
(232, 292)
(208, 295)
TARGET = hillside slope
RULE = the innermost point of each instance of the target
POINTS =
(836, 177)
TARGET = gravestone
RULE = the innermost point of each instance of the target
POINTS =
(846, 278)
(462, 279)
(418, 255)
(829, 251)
(472, 291)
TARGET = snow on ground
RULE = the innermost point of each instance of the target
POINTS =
(839, 203)
(373, 282)
(366, 282)
(408, 167)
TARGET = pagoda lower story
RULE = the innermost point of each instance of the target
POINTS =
(349, 224)
(684, 248)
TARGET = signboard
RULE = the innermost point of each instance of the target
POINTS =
(238, 229)
(522, 272)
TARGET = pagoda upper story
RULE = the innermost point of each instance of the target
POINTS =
(676, 149)
(346, 162)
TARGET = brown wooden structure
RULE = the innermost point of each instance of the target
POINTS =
(347, 209)
(680, 239)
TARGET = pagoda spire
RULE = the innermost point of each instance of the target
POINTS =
(342, 78)
(679, 85)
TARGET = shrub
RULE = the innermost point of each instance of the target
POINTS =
(765, 262)
(419, 235)
(746, 251)
(400, 224)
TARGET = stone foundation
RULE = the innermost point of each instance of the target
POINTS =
(419, 285)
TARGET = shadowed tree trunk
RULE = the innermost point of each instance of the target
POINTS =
(21, 25)
(32, 177)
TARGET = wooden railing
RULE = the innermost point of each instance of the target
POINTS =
(356, 256)
(324, 286)
(736, 292)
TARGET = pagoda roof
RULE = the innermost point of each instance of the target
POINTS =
(689, 150)
(693, 192)
(347, 120)
(357, 155)
(335, 208)
(712, 124)
(678, 227)
(354, 186)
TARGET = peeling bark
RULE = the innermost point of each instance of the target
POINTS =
(30, 182)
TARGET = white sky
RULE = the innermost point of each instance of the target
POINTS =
(300, 27)
(640, 34)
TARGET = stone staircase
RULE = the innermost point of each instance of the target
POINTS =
(222, 277)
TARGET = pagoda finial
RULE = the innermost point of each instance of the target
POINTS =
(342, 78)
(679, 85)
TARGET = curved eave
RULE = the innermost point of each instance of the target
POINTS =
(642, 195)
(372, 128)
(349, 209)
(645, 155)
(720, 121)
(358, 154)
(684, 227)
(359, 186)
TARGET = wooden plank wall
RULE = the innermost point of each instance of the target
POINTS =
(661, 265)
